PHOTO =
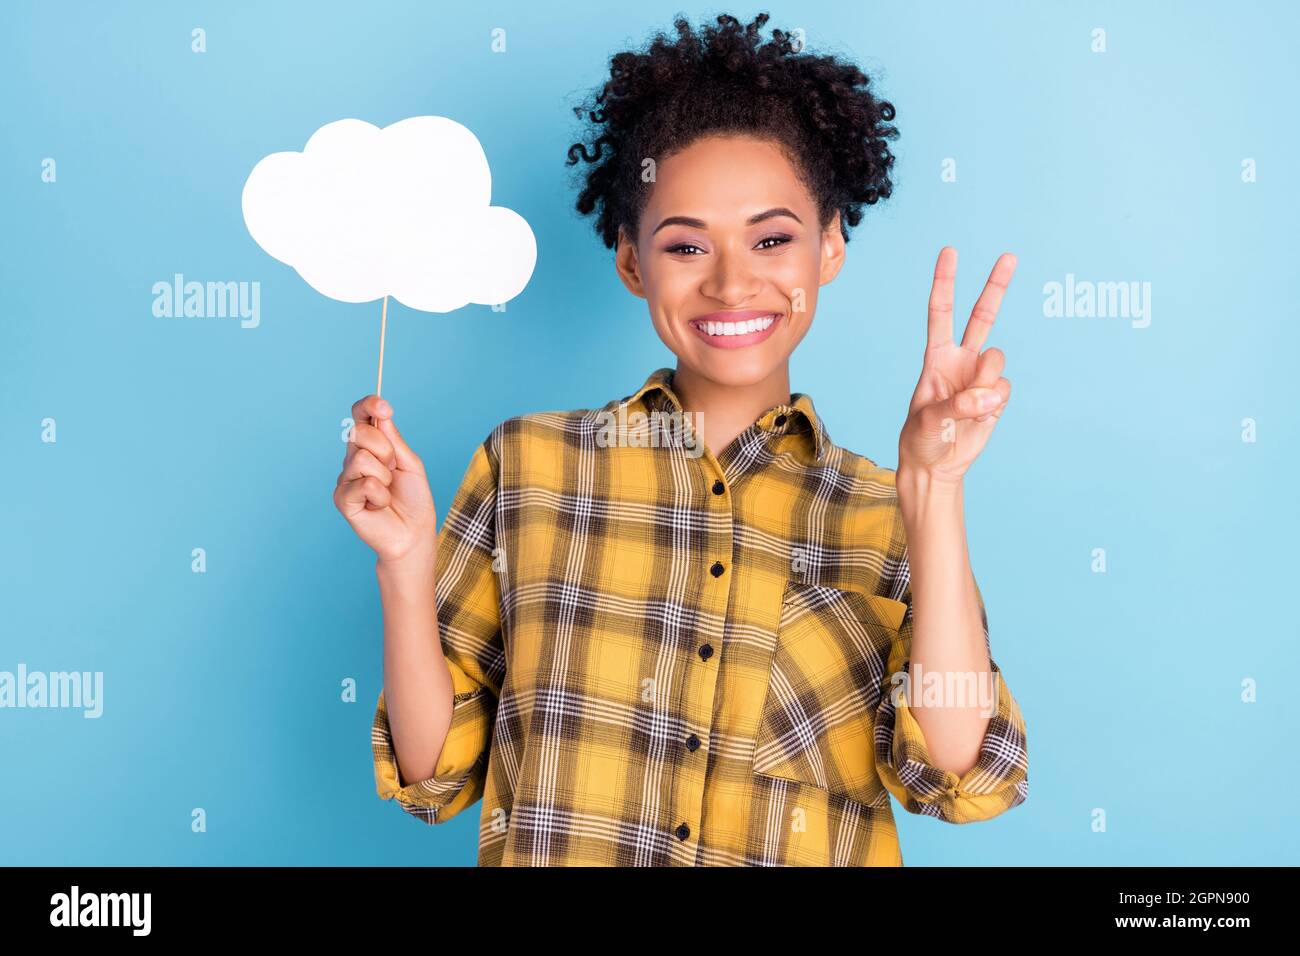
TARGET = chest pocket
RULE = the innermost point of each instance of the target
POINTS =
(827, 677)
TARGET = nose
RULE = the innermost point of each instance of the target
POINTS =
(732, 280)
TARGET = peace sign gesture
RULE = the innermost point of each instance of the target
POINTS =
(948, 422)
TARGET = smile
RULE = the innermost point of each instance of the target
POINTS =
(734, 330)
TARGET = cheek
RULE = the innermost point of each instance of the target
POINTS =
(797, 278)
(666, 289)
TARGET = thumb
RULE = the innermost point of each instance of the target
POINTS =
(972, 403)
(407, 460)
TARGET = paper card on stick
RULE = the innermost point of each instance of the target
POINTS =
(365, 213)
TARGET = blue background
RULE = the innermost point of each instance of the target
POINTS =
(222, 690)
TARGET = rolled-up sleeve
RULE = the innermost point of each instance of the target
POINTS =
(469, 624)
(998, 781)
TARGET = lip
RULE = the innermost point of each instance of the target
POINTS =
(735, 341)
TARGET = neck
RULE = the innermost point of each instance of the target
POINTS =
(725, 411)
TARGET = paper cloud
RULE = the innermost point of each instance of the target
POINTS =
(404, 211)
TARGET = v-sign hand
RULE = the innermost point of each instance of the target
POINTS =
(948, 423)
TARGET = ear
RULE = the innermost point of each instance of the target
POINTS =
(627, 264)
(832, 250)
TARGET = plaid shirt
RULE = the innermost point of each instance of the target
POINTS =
(666, 658)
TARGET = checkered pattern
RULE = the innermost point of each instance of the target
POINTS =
(650, 673)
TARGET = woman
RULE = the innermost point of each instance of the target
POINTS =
(687, 628)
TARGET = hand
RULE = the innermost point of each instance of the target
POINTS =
(383, 491)
(947, 426)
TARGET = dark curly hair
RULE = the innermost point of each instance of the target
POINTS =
(726, 80)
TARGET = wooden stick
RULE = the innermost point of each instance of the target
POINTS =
(383, 324)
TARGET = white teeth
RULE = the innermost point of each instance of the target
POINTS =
(738, 328)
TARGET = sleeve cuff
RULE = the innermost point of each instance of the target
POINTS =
(459, 775)
(997, 782)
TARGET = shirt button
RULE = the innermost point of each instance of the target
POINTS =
(717, 569)
(780, 420)
(706, 652)
(683, 832)
(692, 743)
(719, 487)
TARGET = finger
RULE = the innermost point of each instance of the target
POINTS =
(974, 402)
(939, 329)
(988, 367)
(374, 441)
(1003, 388)
(372, 406)
(364, 411)
(406, 459)
(986, 306)
(365, 463)
(363, 493)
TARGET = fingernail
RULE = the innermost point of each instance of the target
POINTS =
(989, 399)
(385, 408)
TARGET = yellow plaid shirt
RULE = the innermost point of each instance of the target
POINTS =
(669, 658)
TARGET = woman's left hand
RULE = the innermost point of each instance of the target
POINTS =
(947, 426)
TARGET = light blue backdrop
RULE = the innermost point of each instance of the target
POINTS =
(222, 690)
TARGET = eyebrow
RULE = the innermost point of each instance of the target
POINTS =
(752, 220)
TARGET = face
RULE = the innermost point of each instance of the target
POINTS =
(729, 258)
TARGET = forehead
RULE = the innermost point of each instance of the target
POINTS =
(723, 179)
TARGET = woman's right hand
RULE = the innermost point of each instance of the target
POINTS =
(383, 491)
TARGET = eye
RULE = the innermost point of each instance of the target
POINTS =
(776, 242)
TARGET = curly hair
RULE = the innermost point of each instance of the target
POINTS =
(726, 80)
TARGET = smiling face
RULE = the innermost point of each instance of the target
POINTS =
(729, 257)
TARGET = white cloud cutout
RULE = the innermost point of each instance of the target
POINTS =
(404, 211)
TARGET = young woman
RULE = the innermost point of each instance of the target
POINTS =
(687, 628)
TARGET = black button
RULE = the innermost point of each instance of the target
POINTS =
(717, 569)
(780, 420)
(719, 487)
(692, 743)
(683, 832)
(706, 652)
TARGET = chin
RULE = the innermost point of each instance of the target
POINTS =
(738, 367)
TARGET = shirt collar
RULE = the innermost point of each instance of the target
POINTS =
(657, 390)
